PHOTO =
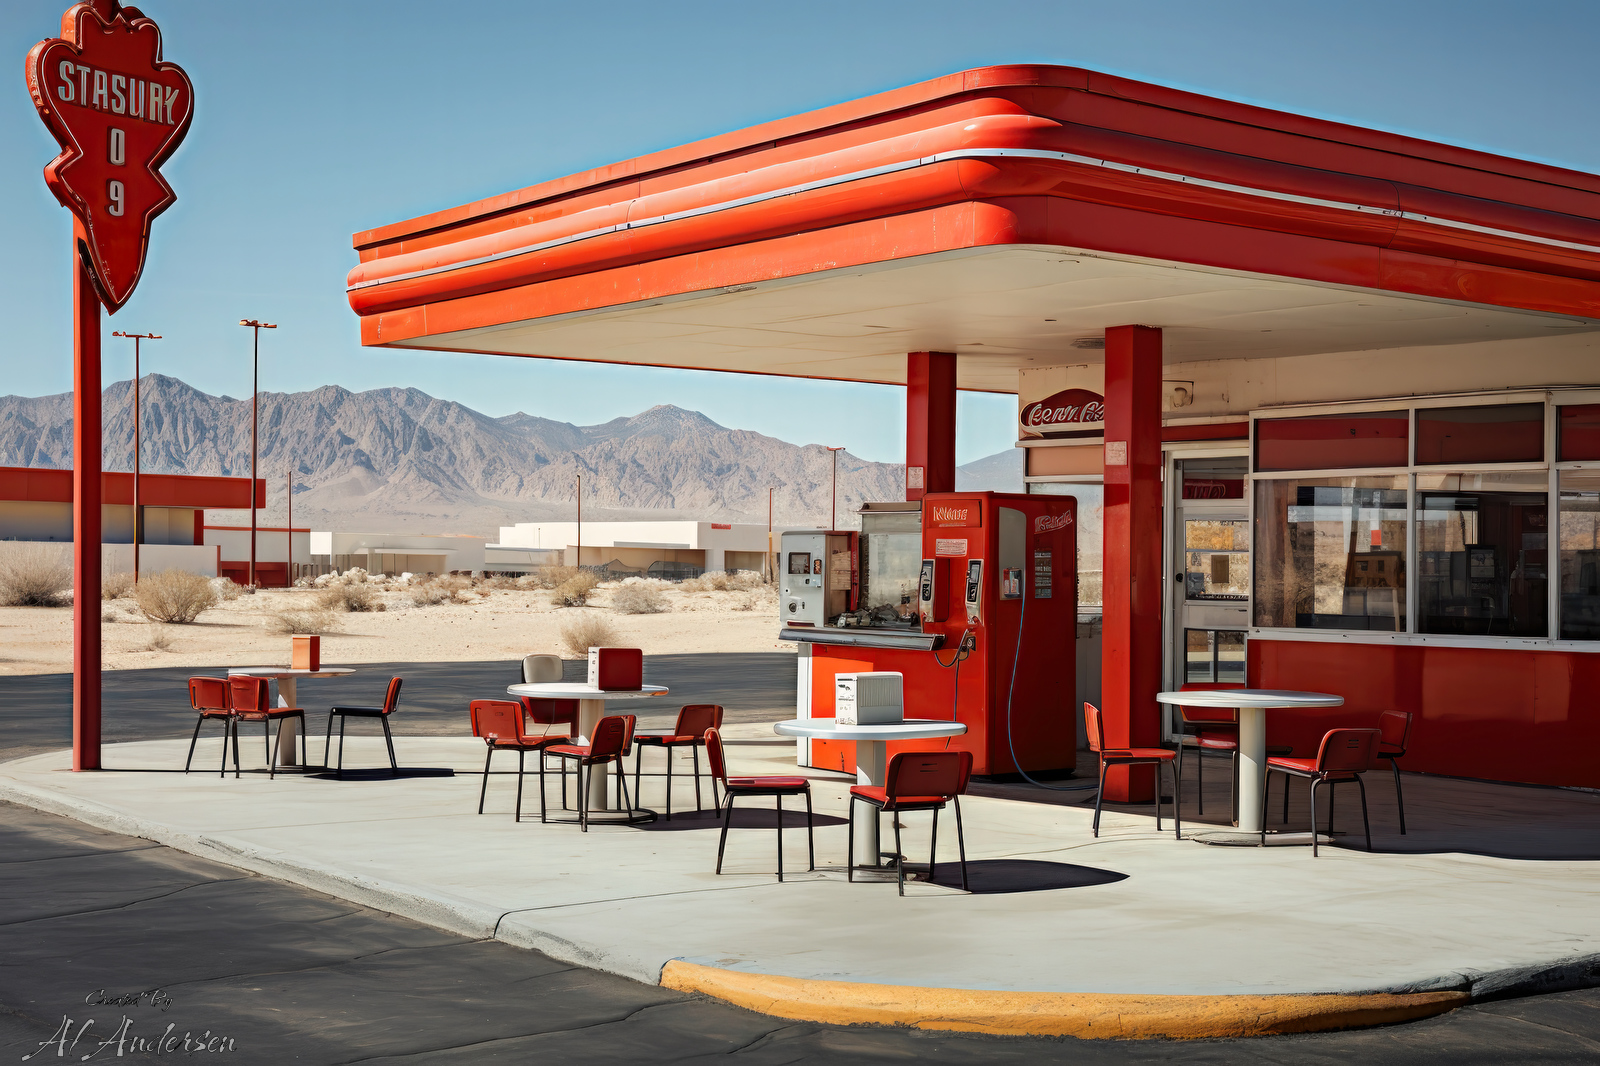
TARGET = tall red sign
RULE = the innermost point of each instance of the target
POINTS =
(118, 111)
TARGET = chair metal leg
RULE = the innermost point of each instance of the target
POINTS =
(694, 751)
(339, 773)
(779, 798)
(1099, 796)
(272, 758)
(850, 840)
(520, 755)
(1285, 795)
(1199, 773)
(227, 728)
(583, 798)
(235, 723)
(1399, 796)
(727, 817)
(198, 722)
(1366, 825)
(811, 844)
(622, 787)
(564, 786)
(668, 750)
(933, 846)
(1314, 815)
(961, 843)
(266, 739)
(638, 759)
(1177, 806)
(388, 738)
(1332, 792)
(327, 742)
(899, 854)
(1158, 797)
(484, 791)
(543, 757)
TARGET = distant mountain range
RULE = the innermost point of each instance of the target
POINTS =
(399, 460)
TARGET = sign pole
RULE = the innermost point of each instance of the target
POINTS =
(86, 528)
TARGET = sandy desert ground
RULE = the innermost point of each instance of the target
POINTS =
(490, 624)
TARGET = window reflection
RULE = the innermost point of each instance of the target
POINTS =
(1580, 554)
(1482, 551)
(1330, 553)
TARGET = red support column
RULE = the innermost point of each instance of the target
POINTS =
(930, 423)
(85, 522)
(1131, 652)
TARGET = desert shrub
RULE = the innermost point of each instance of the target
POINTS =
(175, 596)
(349, 597)
(639, 597)
(548, 577)
(723, 581)
(429, 593)
(586, 630)
(35, 575)
(574, 591)
(160, 639)
(227, 589)
(115, 586)
(354, 576)
(319, 621)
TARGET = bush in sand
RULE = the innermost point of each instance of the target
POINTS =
(349, 596)
(588, 630)
(115, 586)
(636, 596)
(305, 622)
(175, 596)
(35, 575)
(574, 591)
(723, 581)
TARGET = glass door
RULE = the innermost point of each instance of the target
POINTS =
(1211, 572)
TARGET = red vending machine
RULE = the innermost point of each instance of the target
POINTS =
(972, 596)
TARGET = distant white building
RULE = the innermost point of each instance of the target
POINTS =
(398, 553)
(668, 549)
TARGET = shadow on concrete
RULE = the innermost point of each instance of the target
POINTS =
(743, 818)
(994, 877)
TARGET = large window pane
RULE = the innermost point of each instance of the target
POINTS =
(1091, 512)
(1578, 427)
(1510, 433)
(1332, 442)
(1482, 554)
(1330, 553)
(1580, 554)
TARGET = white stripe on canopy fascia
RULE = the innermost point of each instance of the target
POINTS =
(988, 153)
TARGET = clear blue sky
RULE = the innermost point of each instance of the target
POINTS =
(315, 120)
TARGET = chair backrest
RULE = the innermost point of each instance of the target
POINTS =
(1347, 750)
(209, 693)
(1091, 726)
(541, 669)
(696, 718)
(927, 773)
(610, 736)
(391, 699)
(496, 719)
(719, 767)
(551, 712)
(1395, 727)
(630, 720)
(247, 695)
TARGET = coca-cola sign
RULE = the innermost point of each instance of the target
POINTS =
(1069, 409)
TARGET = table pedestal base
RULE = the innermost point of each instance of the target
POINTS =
(289, 730)
(1233, 838)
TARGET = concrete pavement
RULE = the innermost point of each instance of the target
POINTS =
(1057, 912)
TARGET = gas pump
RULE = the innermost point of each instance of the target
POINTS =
(1007, 672)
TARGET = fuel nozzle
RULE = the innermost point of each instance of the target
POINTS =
(969, 641)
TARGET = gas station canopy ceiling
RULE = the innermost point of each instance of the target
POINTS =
(1009, 215)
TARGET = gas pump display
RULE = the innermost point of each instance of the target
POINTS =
(965, 596)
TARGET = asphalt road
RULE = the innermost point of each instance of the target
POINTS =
(293, 976)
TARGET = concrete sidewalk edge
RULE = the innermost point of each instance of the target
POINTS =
(1084, 1015)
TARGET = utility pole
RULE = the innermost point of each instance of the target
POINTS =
(834, 522)
(255, 386)
(138, 511)
(771, 569)
(579, 560)
(288, 567)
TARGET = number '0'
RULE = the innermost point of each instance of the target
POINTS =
(117, 155)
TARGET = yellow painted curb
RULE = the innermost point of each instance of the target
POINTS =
(1088, 1015)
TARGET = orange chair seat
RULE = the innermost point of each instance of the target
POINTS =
(526, 743)
(1218, 741)
(266, 713)
(1308, 767)
(879, 794)
(1137, 753)
(767, 782)
(657, 738)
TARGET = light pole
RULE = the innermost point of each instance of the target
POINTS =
(255, 384)
(138, 512)
(770, 568)
(579, 560)
(834, 523)
(288, 567)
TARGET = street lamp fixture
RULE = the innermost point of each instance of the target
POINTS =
(255, 386)
(138, 512)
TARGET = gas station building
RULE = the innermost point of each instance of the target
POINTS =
(1336, 391)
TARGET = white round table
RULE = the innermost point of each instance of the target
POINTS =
(591, 708)
(871, 763)
(288, 694)
(1252, 705)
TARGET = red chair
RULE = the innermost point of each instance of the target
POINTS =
(502, 726)
(689, 732)
(916, 781)
(251, 703)
(776, 787)
(609, 744)
(1344, 755)
(1395, 730)
(209, 698)
(1212, 729)
(550, 713)
(391, 700)
(1129, 757)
